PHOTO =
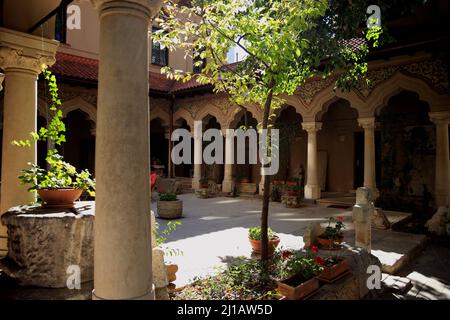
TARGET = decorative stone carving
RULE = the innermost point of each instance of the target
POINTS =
(438, 224)
(15, 58)
(309, 90)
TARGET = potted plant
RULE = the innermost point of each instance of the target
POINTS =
(333, 268)
(254, 236)
(292, 190)
(292, 182)
(299, 273)
(203, 183)
(333, 235)
(61, 184)
(169, 206)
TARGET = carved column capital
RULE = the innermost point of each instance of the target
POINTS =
(312, 127)
(367, 123)
(441, 117)
(24, 52)
(148, 8)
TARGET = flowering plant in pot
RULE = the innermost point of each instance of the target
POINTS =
(254, 236)
(292, 190)
(60, 184)
(298, 273)
(333, 235)
(333, 267)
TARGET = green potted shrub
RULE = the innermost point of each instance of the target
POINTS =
(298, 274)
(169, 206)
(61, 184)
(333, 235)
(254, 236)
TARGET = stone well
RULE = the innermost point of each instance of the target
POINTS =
(43, 243)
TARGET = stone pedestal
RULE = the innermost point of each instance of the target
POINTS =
(43, 243)
(362, 218)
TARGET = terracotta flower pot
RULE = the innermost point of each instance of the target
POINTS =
(256, 245)
(330, 273)
(297, 287)
(329, 243)
(61, 198)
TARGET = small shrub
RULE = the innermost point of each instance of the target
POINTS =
(255, 233)
(168, 197)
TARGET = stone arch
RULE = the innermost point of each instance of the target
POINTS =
(183, 113)
(381, 95)
(79, 103)
(211, 110)
(159, 112)
(328, 96)
(238, 112)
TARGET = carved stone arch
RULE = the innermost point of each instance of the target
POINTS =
(183, 113)
(211, 110)
(236, 114)
(296, 102)
(79, 103)
(158, 112)
(326, 97)
(380, 96)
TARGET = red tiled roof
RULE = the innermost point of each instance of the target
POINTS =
(82, 68)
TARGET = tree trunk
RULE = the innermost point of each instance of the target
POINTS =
(265, 206)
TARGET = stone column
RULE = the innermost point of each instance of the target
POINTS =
(21, 58)
(198, 157)
(368, 124)
(227, 183)
(442, 179)
(312, 187)
(122, 252)
(362, 218)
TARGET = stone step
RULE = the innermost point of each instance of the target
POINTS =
(395, 283)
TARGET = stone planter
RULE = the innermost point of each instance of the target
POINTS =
(291, 201)
(44, 243)
(170, 209)
(256, 245)
(331, 273)
(296, 287)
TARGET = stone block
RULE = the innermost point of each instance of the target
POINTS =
(43, 243)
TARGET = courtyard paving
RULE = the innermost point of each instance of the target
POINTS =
(214, 233)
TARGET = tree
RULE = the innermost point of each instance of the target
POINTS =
(286, 42)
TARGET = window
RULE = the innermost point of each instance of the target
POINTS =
(60, 23)
(160, 55)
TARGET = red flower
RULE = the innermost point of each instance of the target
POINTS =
(320, 261)
(340, 218)
(286, 254)
(314, 248)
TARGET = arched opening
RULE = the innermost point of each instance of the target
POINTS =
(79, 149)
(184, 170)
(159, 147)
(407, 154)
(212, 172)
(246, 173)
(340, 145)
(41, 145)
(292, 146)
